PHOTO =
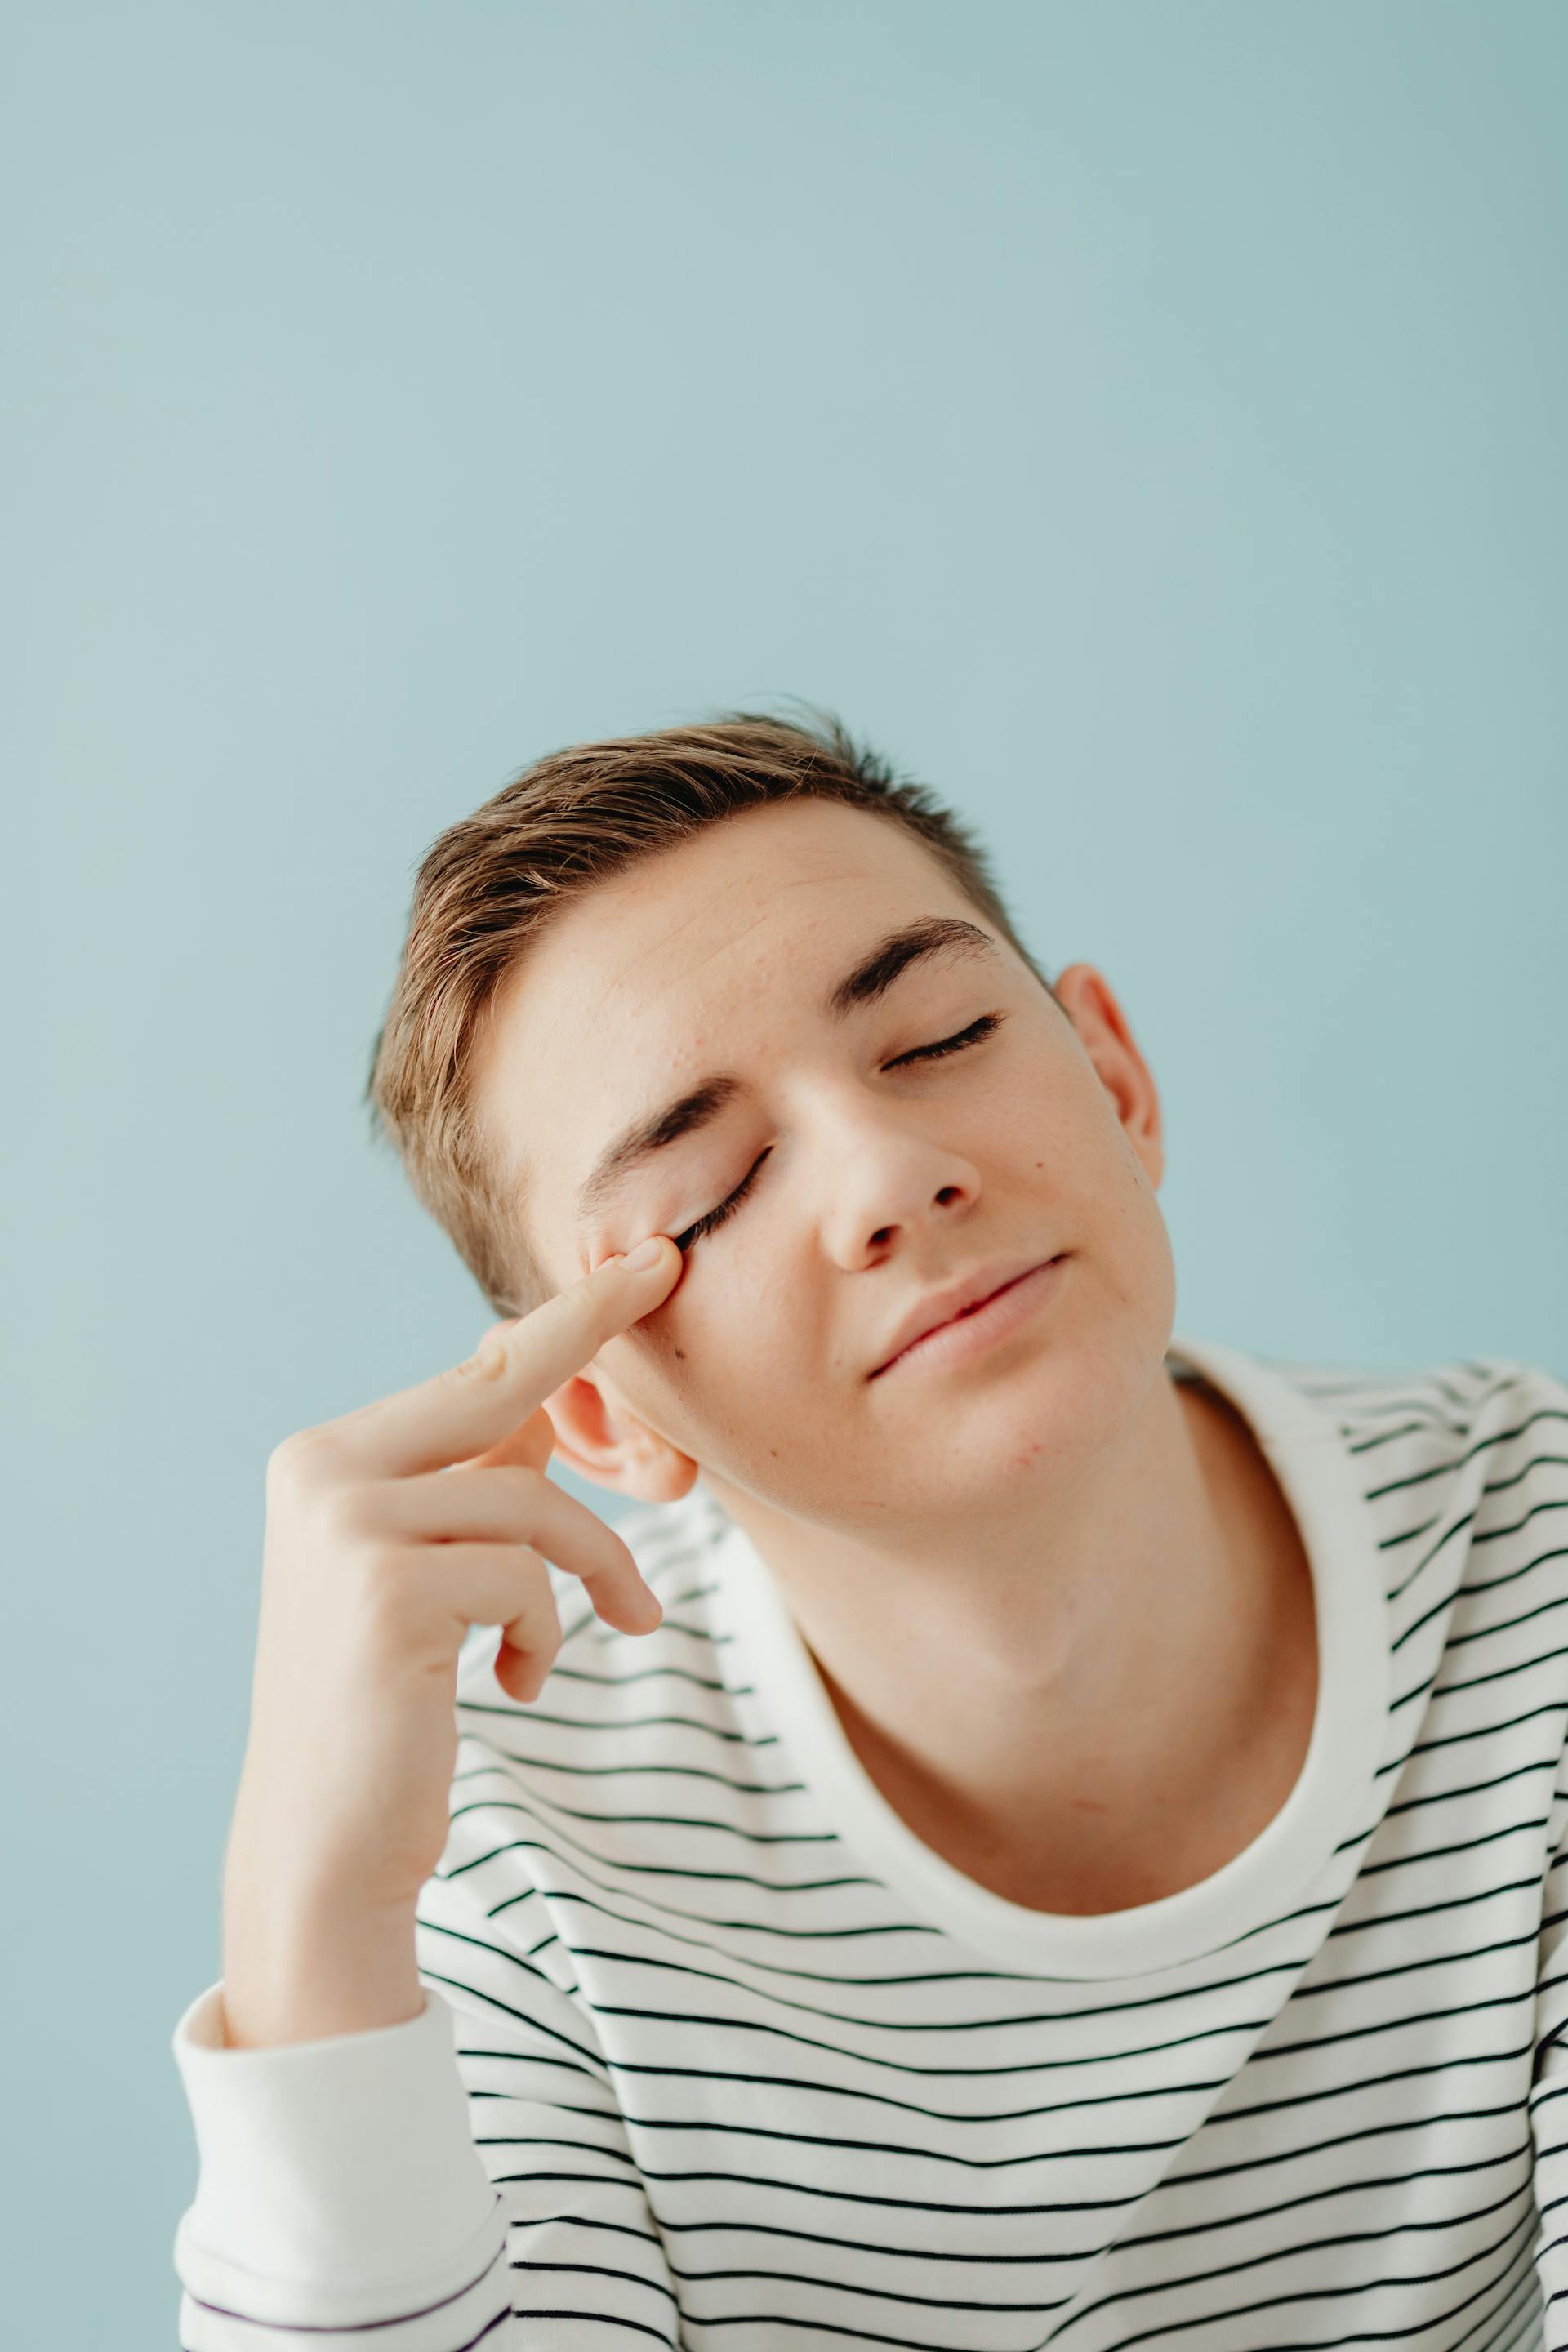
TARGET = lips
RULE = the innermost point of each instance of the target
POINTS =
(955, 1299)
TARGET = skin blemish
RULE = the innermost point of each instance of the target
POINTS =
(680, 1355)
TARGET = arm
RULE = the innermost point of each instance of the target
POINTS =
(459, 2179)
(343, 2187)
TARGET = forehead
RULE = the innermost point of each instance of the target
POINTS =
(642, 983)
(635, 961)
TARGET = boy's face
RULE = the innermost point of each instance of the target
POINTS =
(869, 1186)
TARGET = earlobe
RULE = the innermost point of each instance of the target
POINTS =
(658, 1474)
(606, 1443)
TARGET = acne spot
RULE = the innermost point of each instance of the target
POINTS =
(680, 1355)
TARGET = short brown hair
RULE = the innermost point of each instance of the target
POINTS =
(490, 883)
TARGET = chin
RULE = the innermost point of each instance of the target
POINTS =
(1062, 1400)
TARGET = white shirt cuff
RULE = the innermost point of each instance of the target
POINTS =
(347, 2163)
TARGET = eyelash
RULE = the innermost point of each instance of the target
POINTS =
(973, 1035)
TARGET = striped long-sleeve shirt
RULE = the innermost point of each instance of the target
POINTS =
(716, 2054)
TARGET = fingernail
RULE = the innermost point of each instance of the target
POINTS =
(645, 1253)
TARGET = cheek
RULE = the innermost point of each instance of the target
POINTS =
(696, 1345)
(736, 1349)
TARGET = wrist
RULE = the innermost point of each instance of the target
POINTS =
(310, 1977)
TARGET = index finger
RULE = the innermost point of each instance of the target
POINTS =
(473, 1405)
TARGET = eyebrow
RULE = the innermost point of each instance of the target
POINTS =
(870, 979)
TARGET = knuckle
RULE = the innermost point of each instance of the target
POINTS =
(510, 1492)
(488, 1362)
(519, 1483)
(576, 1307)
(298, 1457)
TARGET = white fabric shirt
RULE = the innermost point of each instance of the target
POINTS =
(716, 2054)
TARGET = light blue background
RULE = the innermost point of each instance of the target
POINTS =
(1145, 421)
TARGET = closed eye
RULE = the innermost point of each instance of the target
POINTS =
(972, 1035)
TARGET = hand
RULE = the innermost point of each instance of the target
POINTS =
(390, 1532)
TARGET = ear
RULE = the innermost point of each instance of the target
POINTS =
(601, 1439)
(1108, 1041)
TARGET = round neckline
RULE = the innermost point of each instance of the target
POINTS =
(1333, 1793)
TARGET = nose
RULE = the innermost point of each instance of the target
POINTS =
(894, 1184)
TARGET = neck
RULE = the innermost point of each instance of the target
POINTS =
(1091, 1704)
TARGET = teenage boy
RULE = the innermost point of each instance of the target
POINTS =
(1031, 1830)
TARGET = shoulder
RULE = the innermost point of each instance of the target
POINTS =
(1445, 1413)
(1463, 1467)
(1458, 1473)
